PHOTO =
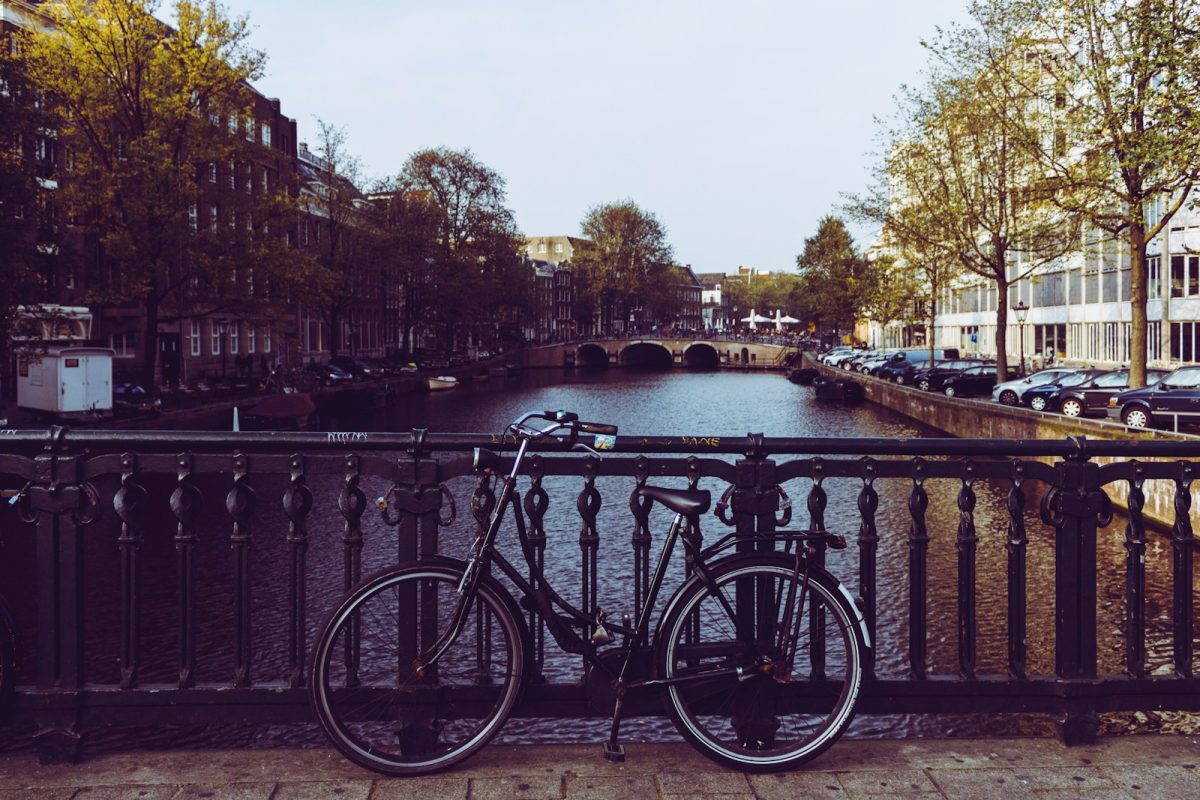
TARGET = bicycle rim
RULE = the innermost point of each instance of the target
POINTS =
(383, 713)
(761, 723)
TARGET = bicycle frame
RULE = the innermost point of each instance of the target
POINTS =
(545, 599)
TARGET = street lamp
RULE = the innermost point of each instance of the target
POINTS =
(1021, 310)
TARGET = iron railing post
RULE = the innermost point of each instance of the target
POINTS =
(1077, 507)
(55, 498)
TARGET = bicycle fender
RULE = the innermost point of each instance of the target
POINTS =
(858, 615)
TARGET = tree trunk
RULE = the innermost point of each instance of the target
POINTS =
(1002, 331)
(150, 344)
(1137, 301)
(932, 322)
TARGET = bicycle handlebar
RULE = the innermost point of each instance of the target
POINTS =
(568, 419)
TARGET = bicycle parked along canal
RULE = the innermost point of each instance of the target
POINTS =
(758, 655)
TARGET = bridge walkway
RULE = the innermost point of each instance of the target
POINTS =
(1131, 768)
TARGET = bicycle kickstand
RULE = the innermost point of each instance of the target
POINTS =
(613, 750)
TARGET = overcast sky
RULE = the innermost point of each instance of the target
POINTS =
(738, 124)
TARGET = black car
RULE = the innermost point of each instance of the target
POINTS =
(132, 398)
(900, 369)
(1171, 403)
(972, 381)
(1090, 398)
(328, 375)
(1045, 397)
(359, 368)
(932, 379)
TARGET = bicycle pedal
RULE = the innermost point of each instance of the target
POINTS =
(614, 752)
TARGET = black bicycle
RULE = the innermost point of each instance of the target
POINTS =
(758, 655)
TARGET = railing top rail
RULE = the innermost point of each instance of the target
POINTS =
(63, 439)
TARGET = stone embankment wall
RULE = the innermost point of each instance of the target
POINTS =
(984, 419)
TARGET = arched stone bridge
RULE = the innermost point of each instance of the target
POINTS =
(652, 351)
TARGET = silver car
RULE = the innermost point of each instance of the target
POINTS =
(1009, 393)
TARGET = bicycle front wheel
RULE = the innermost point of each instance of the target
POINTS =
(385, 712)
(761, 710)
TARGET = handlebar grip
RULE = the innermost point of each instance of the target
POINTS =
(598, 427)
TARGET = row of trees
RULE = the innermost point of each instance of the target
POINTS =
(145, 115)
(1045, 127)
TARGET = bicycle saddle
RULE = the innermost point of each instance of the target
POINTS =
(689, 502)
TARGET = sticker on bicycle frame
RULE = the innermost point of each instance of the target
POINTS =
(604, 442)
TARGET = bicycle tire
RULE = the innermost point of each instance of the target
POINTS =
(758, 723)
(370, 702)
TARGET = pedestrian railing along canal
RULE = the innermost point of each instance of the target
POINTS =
(166, 577)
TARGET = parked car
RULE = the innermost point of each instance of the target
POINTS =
(1009, 393)
(328, 375)
(1090, 398)
(1172, 402)
(1045, 397)
(972, 381)
(933, 379)
(834, 352)
(359, 368)
(133, 398)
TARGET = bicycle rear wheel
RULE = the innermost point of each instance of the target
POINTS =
(779, 712)
(382, 712)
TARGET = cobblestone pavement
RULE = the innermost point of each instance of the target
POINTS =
(1141, 767)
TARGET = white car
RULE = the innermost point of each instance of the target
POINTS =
(1009, 393)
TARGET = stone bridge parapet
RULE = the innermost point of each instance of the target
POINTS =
(661, 351)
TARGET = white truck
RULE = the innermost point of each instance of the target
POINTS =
(66, 382)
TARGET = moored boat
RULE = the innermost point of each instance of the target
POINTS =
(280, 412)
(442, 382)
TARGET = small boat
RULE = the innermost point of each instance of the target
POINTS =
(802, 376)
(442, 382)
(839, 390)
(280, 412)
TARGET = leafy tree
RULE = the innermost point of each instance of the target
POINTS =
(148, 113)
(959, 185)
(481, 276)
(628, 265)
(407, 249)
(1122, 79)
(346, 249)
(835, 278)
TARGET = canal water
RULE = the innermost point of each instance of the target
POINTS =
(674, 402)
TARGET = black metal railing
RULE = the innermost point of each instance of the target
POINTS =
(179, 577)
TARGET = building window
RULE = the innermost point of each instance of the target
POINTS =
(232, 176)
(251, 334)
(1185, 341)
(250, 129)
(214, 218)
(558, 248)
(212, 172)
(194, 337)
(124, 345)
(1185, 276)
(267, 338)
(233, 337)
(215, 344)
(1153, 266)
(233, 122)
(542, 247)
(193, 216)
(266, 134)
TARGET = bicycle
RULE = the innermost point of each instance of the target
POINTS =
(758, 655)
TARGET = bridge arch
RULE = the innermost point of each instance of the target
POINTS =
(646, 355)
(591, 355)
(701, 355)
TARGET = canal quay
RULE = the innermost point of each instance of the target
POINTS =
(188, 625)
